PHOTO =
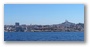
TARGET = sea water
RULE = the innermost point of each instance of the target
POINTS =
(43, 36)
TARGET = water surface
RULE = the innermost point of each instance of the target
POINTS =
(43, 36)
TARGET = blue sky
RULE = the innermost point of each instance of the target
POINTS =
(43, 13)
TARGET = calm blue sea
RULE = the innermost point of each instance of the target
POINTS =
(43, 36)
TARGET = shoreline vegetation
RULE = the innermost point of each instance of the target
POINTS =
(63, 27)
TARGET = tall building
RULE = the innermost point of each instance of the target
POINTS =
(16, 24)
(18, 28)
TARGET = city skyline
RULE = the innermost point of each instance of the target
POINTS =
(43, 14)
(65, 26)
(42, 24)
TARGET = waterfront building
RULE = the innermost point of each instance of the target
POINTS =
(16, 24)
(18, 28)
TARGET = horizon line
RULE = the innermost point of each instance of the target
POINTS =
(41, 24)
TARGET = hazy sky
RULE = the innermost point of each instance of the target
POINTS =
(43, 13)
